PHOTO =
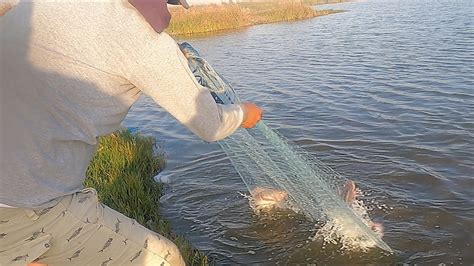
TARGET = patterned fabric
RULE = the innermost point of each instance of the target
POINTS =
(80, 231)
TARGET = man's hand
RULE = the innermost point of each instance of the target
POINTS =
(252, 114)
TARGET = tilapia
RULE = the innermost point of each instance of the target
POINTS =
(267, 197)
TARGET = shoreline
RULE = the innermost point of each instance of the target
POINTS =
(203, 20)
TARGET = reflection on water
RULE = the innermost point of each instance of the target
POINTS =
(383, 93)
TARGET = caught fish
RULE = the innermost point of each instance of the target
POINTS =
(267, 197)
(350, 195)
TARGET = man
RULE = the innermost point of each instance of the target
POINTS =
(69, 73)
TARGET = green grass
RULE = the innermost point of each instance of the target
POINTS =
(212, 18)
(122, 172)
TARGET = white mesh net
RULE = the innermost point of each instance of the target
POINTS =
(273, 169)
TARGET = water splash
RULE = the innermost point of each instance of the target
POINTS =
(265, 159)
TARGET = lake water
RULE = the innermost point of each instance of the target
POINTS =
(383, 93)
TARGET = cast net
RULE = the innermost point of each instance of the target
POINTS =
(264, 159)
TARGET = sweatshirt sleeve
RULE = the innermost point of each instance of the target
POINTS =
(156, 66)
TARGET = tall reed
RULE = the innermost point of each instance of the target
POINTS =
(207, 19)
(211, 18)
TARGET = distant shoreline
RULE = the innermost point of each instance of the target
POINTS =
(215, 18)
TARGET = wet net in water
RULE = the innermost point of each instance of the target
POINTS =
(265, 159)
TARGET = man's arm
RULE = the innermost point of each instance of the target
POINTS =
(157, 67)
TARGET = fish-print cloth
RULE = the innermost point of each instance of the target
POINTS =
(79, 230)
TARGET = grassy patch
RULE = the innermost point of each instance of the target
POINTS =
(211, 18)
(122, 172)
